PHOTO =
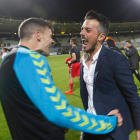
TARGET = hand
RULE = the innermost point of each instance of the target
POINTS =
(125, 47)
(118, 115)
(138, 134)
(69, 62)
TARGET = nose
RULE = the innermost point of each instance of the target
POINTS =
(82, 33)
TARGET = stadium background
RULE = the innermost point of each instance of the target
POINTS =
(63, 31)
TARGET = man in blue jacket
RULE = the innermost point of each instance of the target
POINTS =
(106, 80)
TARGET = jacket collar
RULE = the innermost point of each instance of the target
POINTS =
(101, 58)
(98, 65)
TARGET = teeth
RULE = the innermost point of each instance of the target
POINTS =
(83, 40)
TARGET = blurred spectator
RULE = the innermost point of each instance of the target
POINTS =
(10, 49)
(4, 52)
(74, 63)
(8, 45)
(133, 57)
(112, 44)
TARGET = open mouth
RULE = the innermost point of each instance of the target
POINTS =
(51, 44)
(85, 42)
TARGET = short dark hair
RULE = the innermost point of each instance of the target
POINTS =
(74, 40)
(128, 41)
(29, 26)
(4, 48)
(103, 21)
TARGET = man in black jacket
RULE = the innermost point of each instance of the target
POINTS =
(133, 57)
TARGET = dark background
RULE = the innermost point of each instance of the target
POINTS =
(71, 10)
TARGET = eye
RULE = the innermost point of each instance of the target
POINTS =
(88, 31)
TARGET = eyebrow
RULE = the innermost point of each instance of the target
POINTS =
(86, 28)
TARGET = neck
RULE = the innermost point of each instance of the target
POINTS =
(29, 44)
(73, 45)
(94, 52)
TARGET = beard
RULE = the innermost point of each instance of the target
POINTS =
(92, 49)
(43, 53)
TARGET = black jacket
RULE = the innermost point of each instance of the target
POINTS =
(133, 57)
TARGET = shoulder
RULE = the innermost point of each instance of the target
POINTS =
(135, 49)
(111, 52)
(26, 56)
(73, 49)
(25, 53)
(29, 59)
(113, 55)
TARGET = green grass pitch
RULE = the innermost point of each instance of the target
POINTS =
(61, 80)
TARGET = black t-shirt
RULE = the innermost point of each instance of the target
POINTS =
(77, 52)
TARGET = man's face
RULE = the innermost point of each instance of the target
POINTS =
(70, 42)
(128, 44)
(46, 42)
(2, 51)
(89, 35)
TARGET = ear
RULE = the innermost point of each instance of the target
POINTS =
(37, 35)
(101, 37)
